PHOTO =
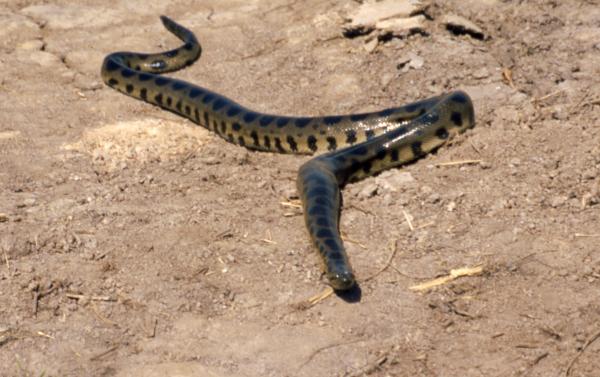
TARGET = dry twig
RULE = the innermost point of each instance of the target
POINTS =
(591, 340)
(456, 273)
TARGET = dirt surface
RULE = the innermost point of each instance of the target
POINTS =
(135, 243)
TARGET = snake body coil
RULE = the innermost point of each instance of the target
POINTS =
(357, 145)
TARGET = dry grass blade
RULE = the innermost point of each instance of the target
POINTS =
(454, 274)
(463, 162)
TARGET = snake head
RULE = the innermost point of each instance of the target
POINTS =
(341, 281)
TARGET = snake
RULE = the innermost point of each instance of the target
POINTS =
(347, 148)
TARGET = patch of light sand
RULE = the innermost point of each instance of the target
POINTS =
(139, 141)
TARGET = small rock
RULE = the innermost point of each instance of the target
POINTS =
(590, 174)
(560, 112)
(368, 191)
(3, 217)
(371, 45)
(393, 181)
(485, 165)
(451, 206)
(368, 14)
(459, 25)
(481, 73)
(558, 201)
(402, 26)
(34, 44)
(413, 61)
(29, 202)
(434, 198)
(416, 62)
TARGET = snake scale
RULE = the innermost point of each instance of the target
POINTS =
(350, 147)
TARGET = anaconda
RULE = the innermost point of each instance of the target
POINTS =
(350, 147)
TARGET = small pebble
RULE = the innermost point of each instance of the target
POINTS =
(558, 201)
(368, 191)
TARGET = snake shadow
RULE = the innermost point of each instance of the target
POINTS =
(351, 296)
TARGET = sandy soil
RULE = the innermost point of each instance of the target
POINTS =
(134, 243)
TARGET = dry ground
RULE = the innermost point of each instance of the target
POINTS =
(134, 243)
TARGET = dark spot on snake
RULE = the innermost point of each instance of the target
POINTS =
(208, 97)
(267, 142)
(282, 121)
(332, 143)
(441, 133)
(354, 166)
(265, 120)
(230, 138)
(219, 103)
(331, 120)
(171, 54)
(459, 98)
(386, 112)
(129, 88)
(422, 111)
(161, 81)
(292, 143)
(241, 141)
(394, 155)
(178, 85)
(233, 111)
(188, 110)
(351, 136)
(137, 67)
(189, 61)
(128, 72)
(416, 149)
(332, 244)
(317, 210)
(196, 115)
(216, 127)
(145, 76)
(278, 145)
(188, 46)
(366, 167)
(178, 105)
(169, 101)
(254, 137)
(312, 143)
(158, 98)
(128, 64)
(144, 94)
(195, 92)
(302, 122)
(249, 117)
(236, 126)
(207, 120)
(323, 201)
(322, 221)
(456, 118)
(369, 134)
(324, 233)
(111, 65)
(381, 153)
(223, 127)
(358, 117)
(113, 82)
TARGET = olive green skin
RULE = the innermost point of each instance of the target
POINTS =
(350, 147)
